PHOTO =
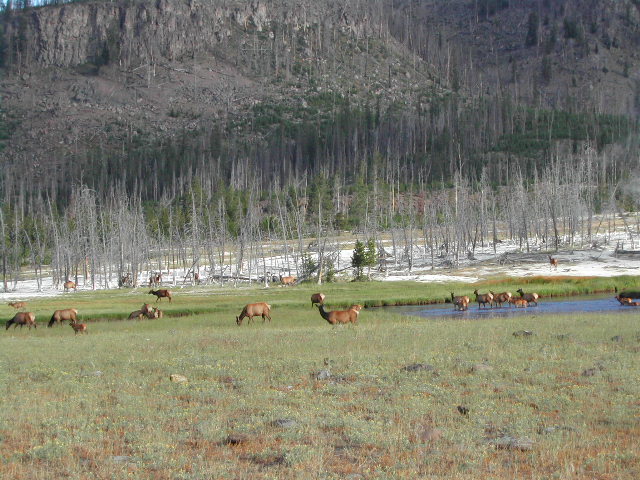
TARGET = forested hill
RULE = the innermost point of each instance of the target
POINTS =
(149, 98)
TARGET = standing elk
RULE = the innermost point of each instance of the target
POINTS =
(500, 298)
(161, 294)
(519, 302)
(529, 297)
(68, 285)
(317, 298)
(78, 327)
(553, 262)
(460, 302)
(483, 299)
(254, 309)
(22, 319)
(287, 281)
(338, 317)
(60, 316)
(17, 305)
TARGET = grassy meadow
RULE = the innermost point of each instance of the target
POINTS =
(298, 398)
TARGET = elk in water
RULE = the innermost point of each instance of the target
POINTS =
(460, 302)
(60, 316)
(529, 297)
(253, 310)
(500, 298)
(483, 299)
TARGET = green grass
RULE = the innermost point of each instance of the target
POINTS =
(102, 406)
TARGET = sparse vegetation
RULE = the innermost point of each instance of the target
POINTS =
(299, 398)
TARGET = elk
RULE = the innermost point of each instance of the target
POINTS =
(17, 305)
(68, 285)
(460, 302)
(60, 316)
(286, 281)
(157, 313)
(483, 299)
(553, 262)
(254, 309)
(500, 298)
(78, 327)
(627, 301)
(155, 280)
(519, 302)
(529, 297)
(317, 298)
(136, 314)
(161, 294)
(337, 317)
(22, 319)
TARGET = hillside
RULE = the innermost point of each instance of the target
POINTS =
(143, 96)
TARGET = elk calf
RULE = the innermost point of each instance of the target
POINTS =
(78, 327)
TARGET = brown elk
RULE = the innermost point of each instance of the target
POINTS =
(68, 285)
(137, 314)
(483, 299)
(287, 281)
(155, 280)
(337, 317)
(60, 316)
(460, 302)
(161, 294)
(157, 313)
(553, 262)
(500, 298)
(17, 305)
(529, 297)
(317, 298)
(254, 309)
(627, 301)
(518, 302)
(78, 327)
(22, 319)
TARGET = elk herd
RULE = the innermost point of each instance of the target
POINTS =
(491, 299)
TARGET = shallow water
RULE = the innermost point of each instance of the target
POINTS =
(581, 304)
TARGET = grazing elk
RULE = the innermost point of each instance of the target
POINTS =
(68, 285)
(17, 305)
(287, 281)
(460, 302)
(500, 298)
(78, 327)
(254, 309)
(60, 316)
(337, 317)
(22, 319)
(317, 298)
(529, 297)
(161, 294)
(483, 299)
(553, 262)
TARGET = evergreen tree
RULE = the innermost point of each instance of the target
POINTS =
(359, 259)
